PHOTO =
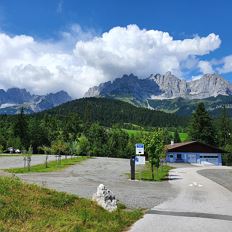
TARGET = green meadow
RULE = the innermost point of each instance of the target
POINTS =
(30, 208)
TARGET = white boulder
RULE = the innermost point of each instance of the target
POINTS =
(105, 198)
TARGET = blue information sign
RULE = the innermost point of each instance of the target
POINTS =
(139, 149)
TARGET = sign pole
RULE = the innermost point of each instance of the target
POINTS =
(132, 164)
(139, 150)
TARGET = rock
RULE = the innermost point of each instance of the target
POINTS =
(12, 100)
(105, 198)
(167, 86)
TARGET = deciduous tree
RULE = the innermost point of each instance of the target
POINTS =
(154, 146)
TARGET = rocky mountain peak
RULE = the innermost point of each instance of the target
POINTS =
(158, 86)
(170, 86)
(16, 95)
(14, 98)
(209, 85)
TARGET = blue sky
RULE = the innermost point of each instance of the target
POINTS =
(49, 23)
(180, 18)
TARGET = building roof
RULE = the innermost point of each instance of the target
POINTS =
(193, 146)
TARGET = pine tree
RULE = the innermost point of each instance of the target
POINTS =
(224, 131)
(176, 137)
(201, 126)
(21, 128)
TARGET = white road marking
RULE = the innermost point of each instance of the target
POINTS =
(195, 184)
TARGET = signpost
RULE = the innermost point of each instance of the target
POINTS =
(137, 160)
(139, 149)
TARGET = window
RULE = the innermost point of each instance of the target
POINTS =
(208, 156)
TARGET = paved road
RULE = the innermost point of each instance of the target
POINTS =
(82, 179)
(220, 176)
(202, 205)
(17, 161)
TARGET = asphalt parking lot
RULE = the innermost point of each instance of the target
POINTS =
(82, 179)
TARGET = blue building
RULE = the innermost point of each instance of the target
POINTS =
(193, 152)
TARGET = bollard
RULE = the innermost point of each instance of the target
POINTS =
(132, 164)
(29, 163)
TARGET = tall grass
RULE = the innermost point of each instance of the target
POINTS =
(30, 208)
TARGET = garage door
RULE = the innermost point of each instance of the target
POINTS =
(192, 158)
(209, 159)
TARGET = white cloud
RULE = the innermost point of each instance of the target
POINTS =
(205, 67)
(129, 49)
(80, 59)
(226, 65)
(194, 78)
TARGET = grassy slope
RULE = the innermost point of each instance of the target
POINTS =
(135, 132)
(28, 208)
(52, 165)
(145, 173)
(183, 135)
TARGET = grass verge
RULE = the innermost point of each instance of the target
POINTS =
(145, 173)
(52, 165)
(135, 132)
(16, 155)
(26, 207)
(10, 155)
(183, 136)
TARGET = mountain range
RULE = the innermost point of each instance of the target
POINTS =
(13, 99)
(167, 92)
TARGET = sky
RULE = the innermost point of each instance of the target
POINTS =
(72, 45)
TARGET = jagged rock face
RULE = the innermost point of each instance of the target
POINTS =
(53, 99)
(210, 85)
(165, 86)
(12, 100)
(14, 95)
(170, 86)
(127, 87)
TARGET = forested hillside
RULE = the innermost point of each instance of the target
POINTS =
(186, 107)
(84, 126)
(108, 112)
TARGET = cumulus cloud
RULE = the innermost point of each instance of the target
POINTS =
(194, 78)
(226, 65)
(130, 49)
(205, 67)
(81, 59)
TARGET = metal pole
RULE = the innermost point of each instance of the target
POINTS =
(132, 164)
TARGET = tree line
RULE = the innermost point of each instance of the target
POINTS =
(212, 131)
(67, 133)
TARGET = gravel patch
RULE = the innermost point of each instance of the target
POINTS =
(17, 161)
(83, 179)
(220, 176)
